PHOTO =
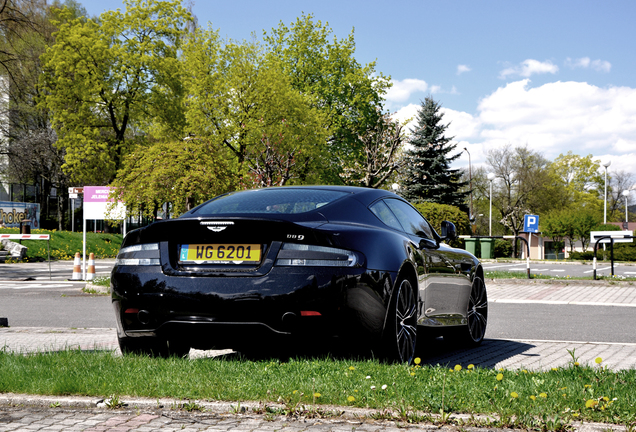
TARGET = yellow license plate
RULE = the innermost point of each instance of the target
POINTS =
(220, 253)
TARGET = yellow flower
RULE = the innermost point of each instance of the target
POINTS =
(351, 368)
(576, 363)
(543, 395)
(295, 391)
(351, 399)
(499, 377)
(412, 373)
(554, 369)
(605, 398)
(317, 395)
(588, 385)
(458, 367)
(514, 395)
(533, 397)
(598, 360)
(417, 360)
(470, 366)
(591, 403)
(524, 371)
(355, 391)
(575, 415)
(450, 370)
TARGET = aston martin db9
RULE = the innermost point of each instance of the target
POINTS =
(296, 263)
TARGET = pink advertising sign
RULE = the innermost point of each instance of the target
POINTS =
(96, 204)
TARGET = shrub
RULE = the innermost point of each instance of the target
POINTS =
(503, 248)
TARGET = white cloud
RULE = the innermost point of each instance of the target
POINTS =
(552, 119)
(462, 68)
(585, 62)
(530, 67)
(401, 90)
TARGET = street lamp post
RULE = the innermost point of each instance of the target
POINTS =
(606, 165)
(626, 194)
(470, 179)
(491, 177)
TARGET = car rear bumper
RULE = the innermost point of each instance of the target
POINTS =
(218, 312)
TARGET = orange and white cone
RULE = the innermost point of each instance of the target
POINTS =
(77, 268)
(90, 273)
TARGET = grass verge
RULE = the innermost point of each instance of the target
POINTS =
(519, 398)
(64, 244)
(506, 274)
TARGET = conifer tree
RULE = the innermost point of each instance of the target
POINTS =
(427, 176)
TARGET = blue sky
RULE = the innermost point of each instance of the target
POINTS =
(555, 75)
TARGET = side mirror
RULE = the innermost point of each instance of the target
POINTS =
(449, 232)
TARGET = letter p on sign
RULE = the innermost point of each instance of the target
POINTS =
(531, 223)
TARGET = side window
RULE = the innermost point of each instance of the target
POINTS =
(383, 213)
(412, 221)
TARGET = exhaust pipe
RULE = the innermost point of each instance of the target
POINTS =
(144, 316)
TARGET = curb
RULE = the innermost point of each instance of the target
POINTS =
(252, 408)
(590, 282)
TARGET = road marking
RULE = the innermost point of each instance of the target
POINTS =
(604, 268)
(558, 270)
(629, 272)
(43, 284)
(536, 270)
(499, 266)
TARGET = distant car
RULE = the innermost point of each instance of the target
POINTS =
(357, 264)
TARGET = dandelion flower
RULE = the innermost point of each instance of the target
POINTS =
(372, 387)
(514, 395)
(576, 363)
(317, 395)
(351, 399)
(588, 385)
(352, 368)
(470, 366)
(555, 369)
(598, 360)
(533, 397)
(417, 360)
(524, 371)
(412, 373)
(295, 391)
(605, 398)
(499, 377)
(591, 403)
(458, 367)
(543, 395)
(384, 387)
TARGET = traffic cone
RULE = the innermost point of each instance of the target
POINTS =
(77, 268)
(90, 274)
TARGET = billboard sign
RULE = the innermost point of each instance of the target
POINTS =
(97, 205)
(12, 213)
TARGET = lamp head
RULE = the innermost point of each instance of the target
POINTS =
(607, 164)
(625, 193)
(491, 176)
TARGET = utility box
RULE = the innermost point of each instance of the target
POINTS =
(471, 245)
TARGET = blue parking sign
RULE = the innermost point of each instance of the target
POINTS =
(531, 223)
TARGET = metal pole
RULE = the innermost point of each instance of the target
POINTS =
(490, 218)
(470, 179)
(72, 214)
(605, 201)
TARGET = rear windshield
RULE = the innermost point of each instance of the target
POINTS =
(273, 200)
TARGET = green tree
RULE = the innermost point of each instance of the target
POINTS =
(579, 179)
(519, 187)
(324, 68)
(241, 100)
(104, 79)
(436, 213)
(182, 173)
(427, 175)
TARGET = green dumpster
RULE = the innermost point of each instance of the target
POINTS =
(487, 247)
(471, 245)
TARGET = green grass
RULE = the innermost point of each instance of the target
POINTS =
(64, 244)
(519, 398)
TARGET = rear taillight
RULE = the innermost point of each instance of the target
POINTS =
(292, 254)
(139, 255)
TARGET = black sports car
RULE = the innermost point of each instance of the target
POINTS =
(361, 265)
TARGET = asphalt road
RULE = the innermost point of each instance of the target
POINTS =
(63, 270)
(61, 304)
(556, 269)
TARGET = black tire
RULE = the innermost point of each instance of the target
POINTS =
(400, 329)
(472, 334)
